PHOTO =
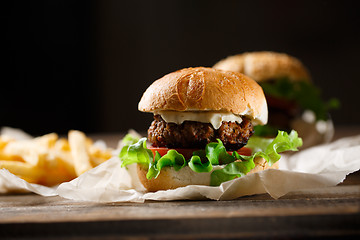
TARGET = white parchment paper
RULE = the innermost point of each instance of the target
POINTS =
(316, 167)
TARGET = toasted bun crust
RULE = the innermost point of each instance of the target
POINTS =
(171, 179)
(263, 66)
(206, 89)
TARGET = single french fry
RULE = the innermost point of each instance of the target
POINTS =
(57, 171)
(89, 142)
(9, 157)
(62, 145)
(28, 150)
(62, 150)
(64, 158)
(47, 140)
(24, 170)
(4, 140)
(100, 153)
(95, 161)
(78, 149)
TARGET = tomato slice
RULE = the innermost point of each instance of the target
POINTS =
(245, 151)
(187, 152)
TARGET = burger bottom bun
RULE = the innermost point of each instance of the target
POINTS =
(171, 179)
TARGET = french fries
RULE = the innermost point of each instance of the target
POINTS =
(79, 152)
(26, 171)
(50, 160)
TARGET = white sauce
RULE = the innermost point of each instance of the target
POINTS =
(214, 118)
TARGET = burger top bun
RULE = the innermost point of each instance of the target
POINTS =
(263, 66)
(206, 89)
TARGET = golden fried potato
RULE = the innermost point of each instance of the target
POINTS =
(50, 160)
(24, 170)
(78, 148)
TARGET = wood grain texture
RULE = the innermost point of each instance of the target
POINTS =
(34, 208)
(328, 212)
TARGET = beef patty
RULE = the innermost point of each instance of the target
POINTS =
(192, 134)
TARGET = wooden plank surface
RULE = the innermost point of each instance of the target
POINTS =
(34, 208)
(327, 212)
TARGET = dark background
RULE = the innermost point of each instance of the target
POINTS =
(85, 64)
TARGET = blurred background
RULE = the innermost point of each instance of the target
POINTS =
(85, 64)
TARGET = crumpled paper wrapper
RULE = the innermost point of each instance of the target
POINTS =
(321, 166)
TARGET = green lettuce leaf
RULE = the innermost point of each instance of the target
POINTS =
(198, 165)
(214, 154)
(270, 148)
(136, 153)
(199, 162)
(305, 94)
(153, 171)
(171, 159)
(231, 171)
(266, 148)
(129, 139)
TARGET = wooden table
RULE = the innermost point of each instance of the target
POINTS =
(332, 212)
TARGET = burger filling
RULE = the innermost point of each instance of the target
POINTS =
(287, 100)
(192, 134)
(282, 113)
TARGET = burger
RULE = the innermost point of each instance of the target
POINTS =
(202, 131)
(293, 100)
